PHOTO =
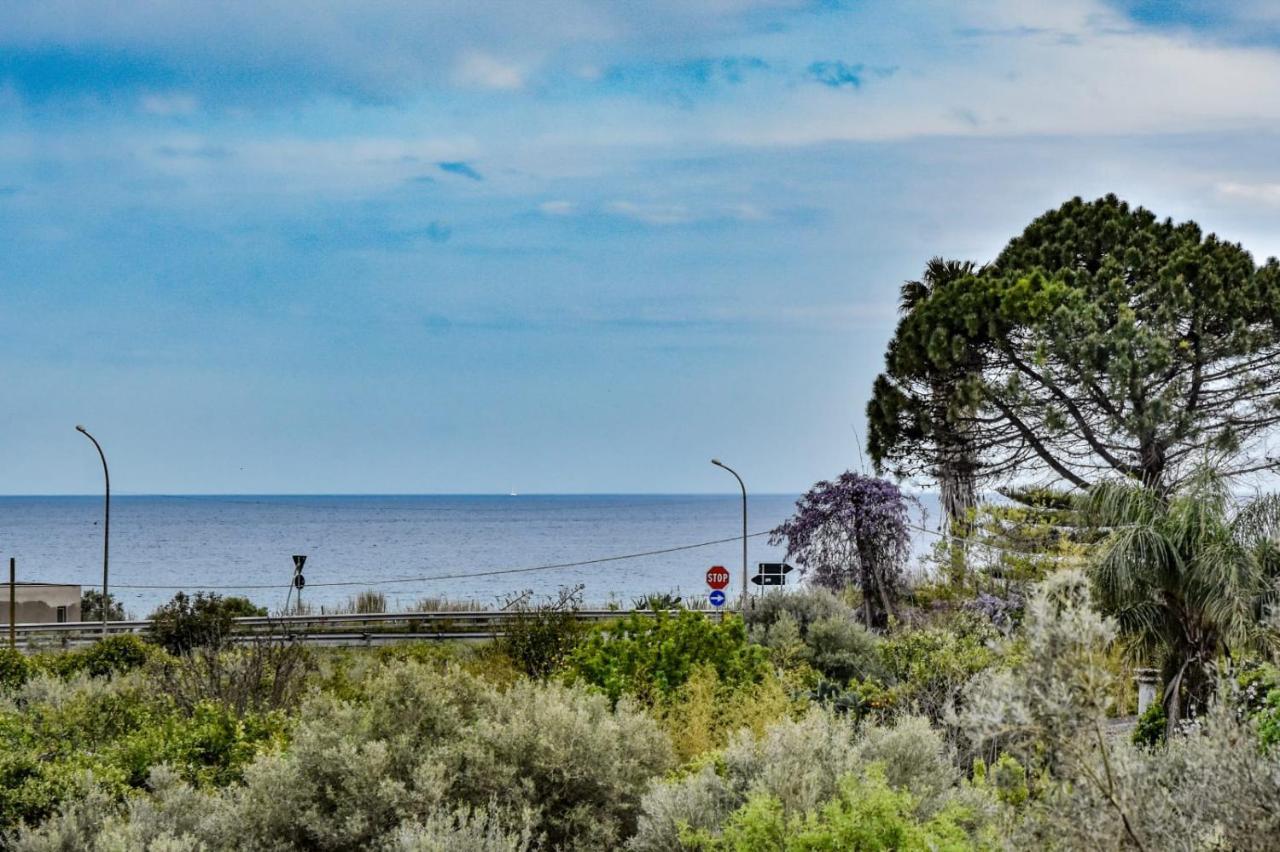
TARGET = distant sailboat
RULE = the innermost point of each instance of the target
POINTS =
(513, 493)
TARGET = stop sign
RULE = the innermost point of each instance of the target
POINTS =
(717, 577)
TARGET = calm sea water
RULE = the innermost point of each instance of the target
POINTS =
(247, 541)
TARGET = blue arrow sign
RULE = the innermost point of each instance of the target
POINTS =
(716, 597)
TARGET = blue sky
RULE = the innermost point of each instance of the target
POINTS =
(559, 246)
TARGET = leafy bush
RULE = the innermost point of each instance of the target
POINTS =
(814, 627)
(1150, 729)
(67, 737)
(1267, 718)
(651, 657)
(704, 712)
(91, 606)
(1214, 789)
(798, 769)
(927, 668)
(190, 622)
(263, 675)
(111, 655)
(1059, 689)
(540, 638)
(866, 814)
(417, 759)
(15, 668)
(805, 605)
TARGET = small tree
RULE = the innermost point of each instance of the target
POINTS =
(91, 606)
(1187, 577)
(852, 530)
(205, 620)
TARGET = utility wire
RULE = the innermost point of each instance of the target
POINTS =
(423, 579)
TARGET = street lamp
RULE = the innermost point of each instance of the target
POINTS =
(106, 526)
(741, 484)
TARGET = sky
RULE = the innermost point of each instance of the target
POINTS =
(562, 246)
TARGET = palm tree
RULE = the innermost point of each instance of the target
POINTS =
(1189, 577)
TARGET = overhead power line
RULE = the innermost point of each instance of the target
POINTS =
(432, 577)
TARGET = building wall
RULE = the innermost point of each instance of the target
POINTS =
(37, 603)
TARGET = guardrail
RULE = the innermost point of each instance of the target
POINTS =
(317, 629)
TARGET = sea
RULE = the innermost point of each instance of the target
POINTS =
(481, 549)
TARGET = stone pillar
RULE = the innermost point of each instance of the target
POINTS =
(1147, 680)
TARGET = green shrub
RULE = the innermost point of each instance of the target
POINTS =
(65, 737)
(419, 758)
(806, 605)
(91, 606)
(1267, 718)
(109, 656)
(15, 668)
(539, 639)
(204, 620)
(927, 668)
(814, 627)
(1150, 728)
(1211, 789)
(866, 815)
(652, 656)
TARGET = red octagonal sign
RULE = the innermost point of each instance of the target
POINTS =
(717, 577)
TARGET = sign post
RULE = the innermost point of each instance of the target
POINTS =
(298, 580)
(771, 573)
(717, 579)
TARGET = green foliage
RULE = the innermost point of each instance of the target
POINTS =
(64, 737)
(109, 656)
(1186, 576)
(867, 815)
(800, 766)
(814, 627)
(540, 638)
(1102, 341)
(417, 758)
(652, 656)
(927, 668)
(704, 712)
(1055, 696)
(1214, 789)
(1006, 778)
(1150, 728)
(91, 606)
(15, 668)
(191, 622)
(1267, 718)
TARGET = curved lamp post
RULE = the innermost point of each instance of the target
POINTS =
(106, 526)
(743, 486)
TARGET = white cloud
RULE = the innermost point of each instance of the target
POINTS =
(1260, 193)
(651, 214)
(169, 104)
(558, 208)
(486, 72)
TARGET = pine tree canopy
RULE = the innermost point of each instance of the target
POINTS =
(1101, 341)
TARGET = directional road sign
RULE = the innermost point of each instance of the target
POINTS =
(717, 577)
(769, 579)
(773, 568)
(716, 597)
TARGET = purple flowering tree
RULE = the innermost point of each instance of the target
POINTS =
(852, 530)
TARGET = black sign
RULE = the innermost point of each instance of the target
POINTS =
(769, 579)
(298, 562)
(299, 581)
(773, 568)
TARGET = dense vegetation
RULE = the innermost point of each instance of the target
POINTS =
(985, 702)
(796, 729)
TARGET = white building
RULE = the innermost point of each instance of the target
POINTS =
(41, 603)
